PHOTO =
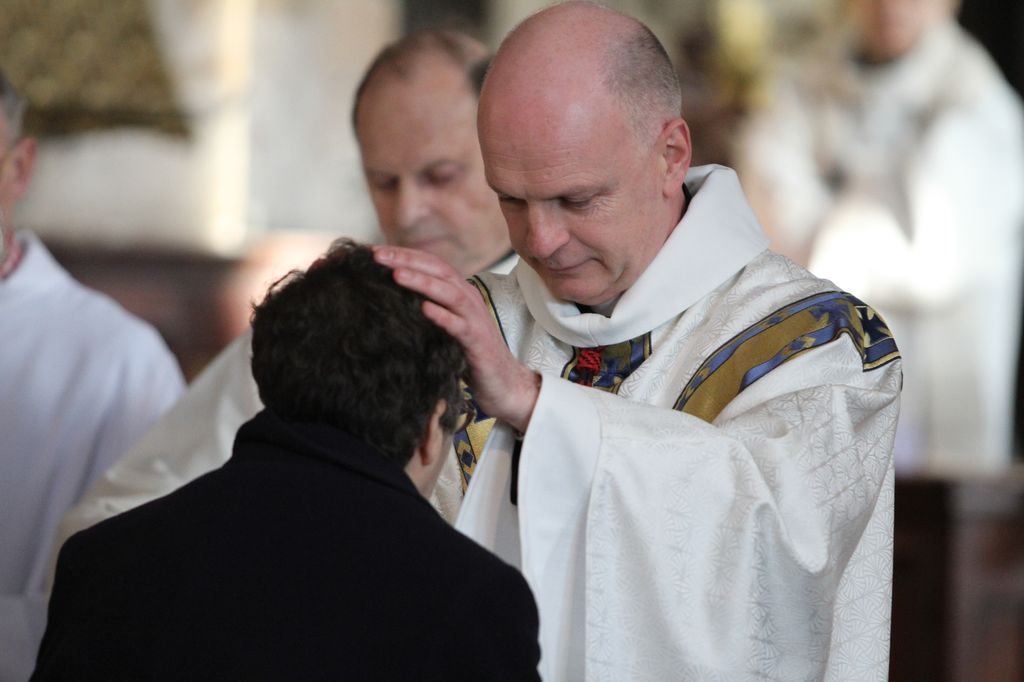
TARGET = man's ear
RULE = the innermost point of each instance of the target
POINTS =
(424, 465)
(19, 166)
(676, 154)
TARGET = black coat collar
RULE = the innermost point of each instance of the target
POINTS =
(268, 436)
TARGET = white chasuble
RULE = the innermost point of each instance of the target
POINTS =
(722, 509)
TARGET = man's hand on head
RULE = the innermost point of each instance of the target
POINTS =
(502, 386)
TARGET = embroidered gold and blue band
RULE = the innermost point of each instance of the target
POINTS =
(764, 346)
(469, 442)
(485, 293)
(747, 357)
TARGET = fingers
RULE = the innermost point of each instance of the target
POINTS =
(443, 291)
(428, 275)
(502, 386)
(398, 257)
(447, 320)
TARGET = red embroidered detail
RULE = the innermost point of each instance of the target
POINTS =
(590, 359)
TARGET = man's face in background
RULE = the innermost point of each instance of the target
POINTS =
(17, 155)
(417, 136)
(888, 29)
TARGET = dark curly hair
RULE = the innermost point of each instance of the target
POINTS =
(343, 344)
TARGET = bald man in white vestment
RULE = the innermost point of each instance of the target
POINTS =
(684, 440)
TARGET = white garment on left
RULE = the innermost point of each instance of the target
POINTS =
(82, 380)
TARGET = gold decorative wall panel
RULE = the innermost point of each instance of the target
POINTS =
(87, 64)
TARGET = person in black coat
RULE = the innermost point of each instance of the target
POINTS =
(312, 554)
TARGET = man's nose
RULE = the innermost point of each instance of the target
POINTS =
(413, 205)
(545, 232)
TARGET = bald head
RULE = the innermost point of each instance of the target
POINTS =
(583, 141)
(590, 45)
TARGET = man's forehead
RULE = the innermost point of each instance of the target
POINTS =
(410, 165)
(433, 100)
(412, 124)
(543, 183)
(552, 132)
(543, 162)
(420, 148)
(430, 75)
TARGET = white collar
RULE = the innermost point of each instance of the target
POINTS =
(37, 272)
(505, 265)
(716, 237)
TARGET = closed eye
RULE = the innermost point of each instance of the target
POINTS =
(383, 183)
(576, 203)
(442, 174)
(510, 201)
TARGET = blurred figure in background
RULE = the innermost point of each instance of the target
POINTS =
(82, 381)
(893, 164)
(415, 121)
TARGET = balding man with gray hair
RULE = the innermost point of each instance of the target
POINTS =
(688, 439)
(415, 120)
